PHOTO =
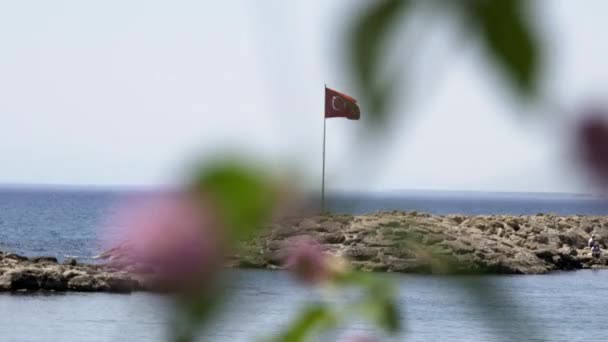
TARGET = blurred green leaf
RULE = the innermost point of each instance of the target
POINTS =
(381, 305)
(389, 316)
(193, 311)
(379, 302)
(383, 312)
(368, 43)
(508, 38)
(313, 319)
(244, 195)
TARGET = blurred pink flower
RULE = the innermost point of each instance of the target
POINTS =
(306, 261)
(592, 145)
(177, 234)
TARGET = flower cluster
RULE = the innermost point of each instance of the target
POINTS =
(177, 234)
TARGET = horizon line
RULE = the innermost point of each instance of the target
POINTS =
(118, 187)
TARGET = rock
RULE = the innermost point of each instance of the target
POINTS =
(54, 281)
(431, 239)
(335, 238)
(458, 219)
(254, 263)
(71, 273)
(44, 259)
(361, 253)
(5, 283)
(567, 262)
(457, 246)
(541, 239)
(86, 283)
(568, 250)
(70, 261)
(121, 284)
(514, 224)
(309, 224)
(572, 239)
(500, 232)
(22, 279)
(276, 258)
(409, 265)
(15, 257)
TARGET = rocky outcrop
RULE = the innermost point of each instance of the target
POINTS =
(423, 243)
(19, 273)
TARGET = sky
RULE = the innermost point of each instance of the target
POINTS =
(130, 93)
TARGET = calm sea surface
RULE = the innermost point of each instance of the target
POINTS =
(556, 307)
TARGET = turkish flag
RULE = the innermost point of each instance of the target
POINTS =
(338, 105)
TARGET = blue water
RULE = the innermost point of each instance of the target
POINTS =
(555, 307)
(474, 203)
(55, 223)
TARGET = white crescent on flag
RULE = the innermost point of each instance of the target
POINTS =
(337, 103)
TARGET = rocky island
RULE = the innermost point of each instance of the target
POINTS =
(408, 242)
(19, 273)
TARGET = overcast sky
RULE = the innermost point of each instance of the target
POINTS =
(127, 92)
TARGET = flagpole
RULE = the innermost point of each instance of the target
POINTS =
(323, 171)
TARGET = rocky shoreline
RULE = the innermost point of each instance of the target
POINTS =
(19, 273)
(412, 242)
(407, 242)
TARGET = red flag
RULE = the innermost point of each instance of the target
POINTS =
(338, 105)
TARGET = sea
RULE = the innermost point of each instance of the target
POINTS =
(562, 306)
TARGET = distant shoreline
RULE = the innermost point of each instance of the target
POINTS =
(392, 192)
